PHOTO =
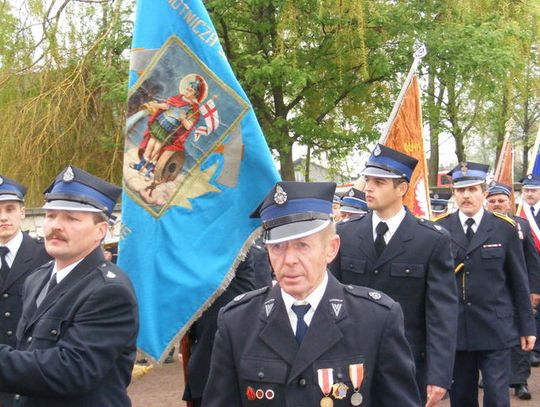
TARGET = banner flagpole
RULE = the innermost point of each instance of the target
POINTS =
(418, 55)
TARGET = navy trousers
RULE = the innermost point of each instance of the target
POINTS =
(495, 368)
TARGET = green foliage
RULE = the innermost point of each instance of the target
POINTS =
(68, 104)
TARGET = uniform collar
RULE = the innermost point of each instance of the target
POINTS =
(14, 245)
(392, 223)
(61, 274)
(312, 299)
(477, 218)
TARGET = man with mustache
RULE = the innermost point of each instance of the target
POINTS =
(76, 337)
(20, 254)
(408, 259)
(495, 312)
(309, 340)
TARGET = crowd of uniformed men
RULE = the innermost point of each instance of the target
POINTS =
(370, 306)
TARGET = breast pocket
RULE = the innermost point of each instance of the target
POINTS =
(263, 380)
(340, 374)
(353, 265)
(46, 332)
(491, 253)
(407, 270)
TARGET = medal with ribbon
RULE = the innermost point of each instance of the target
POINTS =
(356, 373)
(326, 380)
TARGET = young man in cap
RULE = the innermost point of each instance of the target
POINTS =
(531, 212)
(498, 200)
(309, 340)
(408, 259)
(20, 254)
(353, 205)
(76, 336)
(494, 307)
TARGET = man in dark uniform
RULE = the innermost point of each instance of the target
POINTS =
(498, 200)
(253, 273)
(20, 254)
(494, 307)
(353, 205)
(408, 259)
(531, 212)
(309, 340)
(76, 337)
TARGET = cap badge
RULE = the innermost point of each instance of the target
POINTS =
(493, 184)
(280, 197)
(1, 180)
(464, 168)
(435, 196)
(529, 176)
(377, 151)
(68, 175)
(351, 193)
(375, 295)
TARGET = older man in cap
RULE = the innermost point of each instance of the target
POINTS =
(494, 308)
(531, 212)
(20, 254)
(309, 340)
(410, 260)
(76, 337)
(499, 200)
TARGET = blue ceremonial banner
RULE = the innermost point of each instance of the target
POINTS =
(196, 164)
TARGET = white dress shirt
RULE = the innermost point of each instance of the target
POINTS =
(312, 299)
(477, 218)
(13, 245)
(392, 223)
(527, 207)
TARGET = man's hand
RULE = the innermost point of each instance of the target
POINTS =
(527, 343)
(434, 394)
(535, 299)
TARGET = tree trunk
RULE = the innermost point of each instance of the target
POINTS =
(308, 164)
(287, 165)
(434, 115)
(454, 121)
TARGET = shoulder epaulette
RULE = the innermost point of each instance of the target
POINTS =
(430, 225)
(504, 217)
(245, 297)
(108, 271)
(371, 295)
(444, 215)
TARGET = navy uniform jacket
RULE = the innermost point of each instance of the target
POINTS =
(78, 347)
(492, 284)
(255, 347)
(253, 273)
(416, 270)
(532, 258)
(29, 257)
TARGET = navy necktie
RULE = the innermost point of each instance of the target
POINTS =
(4, 268)
(470, 233)
(46, 289)
(380, 244)
(301, 326)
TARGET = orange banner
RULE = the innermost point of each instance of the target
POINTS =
(406, 136)
(504, 172)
